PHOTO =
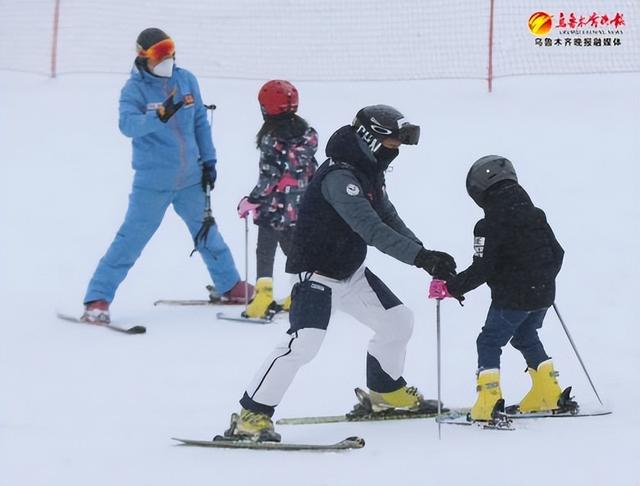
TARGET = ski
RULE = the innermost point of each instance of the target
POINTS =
(273, 311)
(114, 326)
(567, 408)
(502, 423)
(251, 320)
(499, 420)
(230, 443)
(363, 412)
(512, 413)
(370, 417)
(215, 298)
(193, 302)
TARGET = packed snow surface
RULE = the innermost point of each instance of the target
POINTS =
(83, 406)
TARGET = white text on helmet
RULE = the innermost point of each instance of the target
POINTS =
(373, 142)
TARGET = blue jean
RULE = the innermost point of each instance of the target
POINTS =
(519, 326)
(144, 215)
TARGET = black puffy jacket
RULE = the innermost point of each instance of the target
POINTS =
(516, 252)
(322, 241)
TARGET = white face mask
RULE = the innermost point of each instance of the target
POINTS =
(164, 69)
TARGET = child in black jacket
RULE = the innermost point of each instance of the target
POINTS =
(518, 256)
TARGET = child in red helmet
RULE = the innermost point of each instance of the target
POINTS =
(287, 147)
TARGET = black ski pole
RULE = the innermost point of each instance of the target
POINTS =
(208, 220)
(575, 349)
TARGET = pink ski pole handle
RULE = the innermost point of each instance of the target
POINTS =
(245, 207)
(438, 289)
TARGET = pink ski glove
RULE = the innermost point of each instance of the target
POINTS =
(438, 289)
(245, 207)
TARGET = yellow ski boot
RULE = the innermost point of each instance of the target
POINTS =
(254, 426)
(261, 300)
(405, 398)
(489, 393)
(545, 391)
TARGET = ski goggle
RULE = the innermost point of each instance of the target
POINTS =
(158, 51)
(409, 134)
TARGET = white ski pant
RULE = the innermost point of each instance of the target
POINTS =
(367, 299)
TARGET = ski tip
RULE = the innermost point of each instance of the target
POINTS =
(355, 442)
(137, 330)
(67, 317)
(181, 442)
(186, 441)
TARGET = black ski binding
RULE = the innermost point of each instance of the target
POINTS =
(499, 418)
(273, 309)
(566, 403)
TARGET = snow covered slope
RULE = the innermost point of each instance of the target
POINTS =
(80, 405)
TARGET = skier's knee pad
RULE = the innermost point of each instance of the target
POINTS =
(310, 306)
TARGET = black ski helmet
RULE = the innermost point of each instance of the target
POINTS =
(375, 123)
(487, 171)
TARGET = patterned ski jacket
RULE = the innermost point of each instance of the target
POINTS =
(286, 167)
(165, 155)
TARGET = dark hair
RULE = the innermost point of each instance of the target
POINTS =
(141, 64)
(284, 126)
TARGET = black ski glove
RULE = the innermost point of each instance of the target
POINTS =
(169, 108)
(209, 174)
(452, 285)
(438, 264)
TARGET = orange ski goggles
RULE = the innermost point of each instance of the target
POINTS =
(159, 50)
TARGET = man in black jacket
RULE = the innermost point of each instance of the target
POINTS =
(345, 209)
(518, 256)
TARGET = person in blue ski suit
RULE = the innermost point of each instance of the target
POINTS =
(161, 110)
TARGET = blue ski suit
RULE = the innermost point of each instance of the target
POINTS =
(166, 159)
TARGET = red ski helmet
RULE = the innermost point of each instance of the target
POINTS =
(277, 97)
